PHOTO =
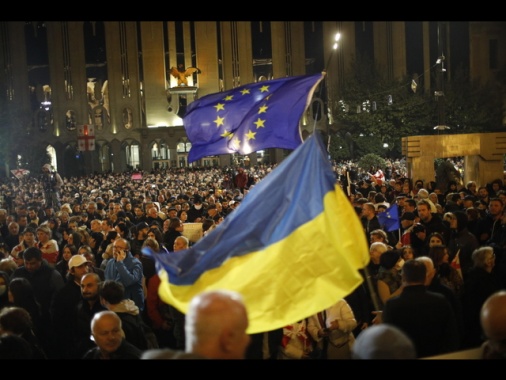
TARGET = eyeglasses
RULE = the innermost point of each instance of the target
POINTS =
(119, 247)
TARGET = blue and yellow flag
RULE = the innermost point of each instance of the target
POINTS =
(249, 118)
(292, 248)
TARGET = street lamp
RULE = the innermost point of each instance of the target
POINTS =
(337, 37)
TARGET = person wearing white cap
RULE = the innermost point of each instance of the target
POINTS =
(64, 308)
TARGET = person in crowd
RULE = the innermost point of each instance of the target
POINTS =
(27, 236)
(434, 284)
(369, 219)
(462, 242)
(127, 270)
(52, 183)
(105, 250)
(47, 245)
(158, 312)
(488, 229)
(20, 293)
(153, 218)
(481, 282)
(332, 330)
(87, 252)
(112, 297)
(215, 328)
(12, 238)
(196, 211)
(436, 239)
(448, 275)
(64, 306)
(15, 320)
(493, 323)
(426, 317)
(431, 221)
(13, 347)
(420, 240)
(175, 229)
(241, 179)
(407, 253)
(62, 265)
(389, 281)
(87, 307)
(46, 283)
(407, 225)
(107, 333)
(4, 289)
(140, 233)
(383, 342)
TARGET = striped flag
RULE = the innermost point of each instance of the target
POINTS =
(293, 247)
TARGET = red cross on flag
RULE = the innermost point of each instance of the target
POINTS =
(20, 173)
(85, 138)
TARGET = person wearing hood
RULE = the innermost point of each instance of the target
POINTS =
(112, 297)
(462, 242)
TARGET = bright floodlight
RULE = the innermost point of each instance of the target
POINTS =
(336, 38)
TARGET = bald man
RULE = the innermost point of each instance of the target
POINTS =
(110, 340)
(215, 328)
(493, 323)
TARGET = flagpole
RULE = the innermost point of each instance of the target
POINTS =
(372, 292)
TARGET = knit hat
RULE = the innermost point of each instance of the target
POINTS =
(383, 341)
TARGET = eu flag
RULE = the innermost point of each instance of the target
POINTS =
(292, 248)
(249, 118)
(389, 219)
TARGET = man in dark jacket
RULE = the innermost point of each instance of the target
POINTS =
(46, 283)
(426, 317)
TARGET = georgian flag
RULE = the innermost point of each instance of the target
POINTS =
(20, 173)
(85, 138)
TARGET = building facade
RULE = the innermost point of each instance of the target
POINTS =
(116, 76)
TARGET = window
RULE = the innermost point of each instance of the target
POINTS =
(132, 152)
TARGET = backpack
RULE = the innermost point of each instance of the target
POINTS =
(138, 332)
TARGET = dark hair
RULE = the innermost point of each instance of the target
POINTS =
(124, 228)
(157, 233)
(437, 253)
(32, 253)
(24, 295)
(14, 347)
(112, 291)
(174, 223)
(414, 271)
(389, 258)
(15, 319)
(439, 236)
(111, 235)
(207, 223)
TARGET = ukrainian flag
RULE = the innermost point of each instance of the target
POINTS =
(292, 248)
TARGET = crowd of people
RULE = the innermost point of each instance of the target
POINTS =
(72, 268)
